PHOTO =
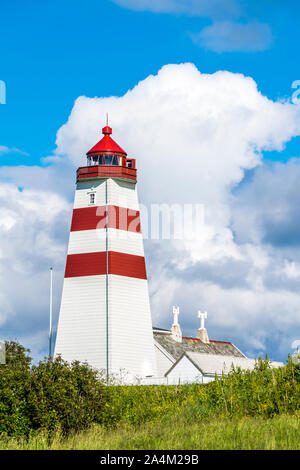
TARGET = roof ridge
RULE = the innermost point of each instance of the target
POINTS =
(211, 340)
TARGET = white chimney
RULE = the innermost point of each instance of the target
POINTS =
(175, 328)
(202, 332)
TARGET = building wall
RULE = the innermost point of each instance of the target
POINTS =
(130, 340)
(184, 372)
(81, 332)
(162, 361)
(120, 193)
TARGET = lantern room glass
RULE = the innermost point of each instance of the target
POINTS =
(108, 160)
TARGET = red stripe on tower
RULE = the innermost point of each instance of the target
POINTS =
(93, 264)
(91, 218)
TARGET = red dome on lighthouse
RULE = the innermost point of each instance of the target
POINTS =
(107, 145)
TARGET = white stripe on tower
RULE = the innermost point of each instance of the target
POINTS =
(89, 241)
(120, 193)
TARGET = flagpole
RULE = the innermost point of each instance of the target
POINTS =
(50, 311)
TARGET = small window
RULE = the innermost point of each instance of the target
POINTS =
(115, 160)
(108, 159)
(92, 198)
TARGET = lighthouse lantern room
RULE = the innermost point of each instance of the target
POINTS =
(105, 316)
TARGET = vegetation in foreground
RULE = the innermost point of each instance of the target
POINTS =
(60, 406)
(179, 433)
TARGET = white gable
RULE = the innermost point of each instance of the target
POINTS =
(210, 364)
(184, 371)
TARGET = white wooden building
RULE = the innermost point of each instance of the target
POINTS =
(182, 359)
(194, 367)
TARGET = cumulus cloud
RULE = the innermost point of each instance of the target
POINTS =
(33, 235)
(217, 125)
(195, 136)
(230, 36)
(58, 176)
(275, 220)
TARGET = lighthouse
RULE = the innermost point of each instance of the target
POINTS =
(105, 317)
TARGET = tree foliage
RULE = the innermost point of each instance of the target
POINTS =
(262, 392)
(70, 397)
(50, 395)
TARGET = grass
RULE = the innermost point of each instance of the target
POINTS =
(178, 433)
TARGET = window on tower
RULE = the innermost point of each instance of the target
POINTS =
(104, 160)
(92, 198)
(111, 160)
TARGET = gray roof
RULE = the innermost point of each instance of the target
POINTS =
(160, 329)
(176, 349)
(210, 364)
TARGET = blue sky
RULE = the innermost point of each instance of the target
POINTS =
(54, 52)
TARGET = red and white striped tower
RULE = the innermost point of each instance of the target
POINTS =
(105, 314)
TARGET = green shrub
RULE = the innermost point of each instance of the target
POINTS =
(48, 396)
(70, 397)
(14, 390)
(261, 392)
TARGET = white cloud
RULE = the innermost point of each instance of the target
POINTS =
(59, 177)
(4, 150)
(181, 122)
(211, 8)
(230, 36)
(224, 35)
(33, 236)
(275, 220)
(194, 135)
